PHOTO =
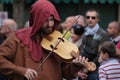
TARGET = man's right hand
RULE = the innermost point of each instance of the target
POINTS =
(82, 75)
(80, 60)
(30, 74)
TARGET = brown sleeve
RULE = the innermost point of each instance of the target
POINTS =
(7, 54)
(69, 70)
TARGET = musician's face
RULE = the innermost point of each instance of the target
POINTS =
(48, 26)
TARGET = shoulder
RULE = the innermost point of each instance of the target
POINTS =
(103, 34)
(110, 64)
(11, 39)
(101, 31)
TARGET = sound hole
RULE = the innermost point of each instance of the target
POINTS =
(61, 39)
(53, 47)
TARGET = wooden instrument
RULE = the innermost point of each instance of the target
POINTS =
(63, 49)
(55, 42)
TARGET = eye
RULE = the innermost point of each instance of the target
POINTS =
(52, 19)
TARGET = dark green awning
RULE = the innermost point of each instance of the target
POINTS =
(6, 1)
(68, 1)
(102, 1)
(87, 1)
(65, 1)
(10, 1)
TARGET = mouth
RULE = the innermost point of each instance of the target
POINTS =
(49, 29)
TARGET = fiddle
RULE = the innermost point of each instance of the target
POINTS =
(61, 46)
(55, 42)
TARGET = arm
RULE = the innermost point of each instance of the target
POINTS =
(7, 54)
(105, 37)
(102, 75)
(70, 70)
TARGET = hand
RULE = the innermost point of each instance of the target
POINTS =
(82, 75)
(30, 74)
(80, 60)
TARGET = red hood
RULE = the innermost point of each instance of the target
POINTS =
(39, 14)
(40, 11)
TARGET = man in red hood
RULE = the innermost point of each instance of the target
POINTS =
(21, 54)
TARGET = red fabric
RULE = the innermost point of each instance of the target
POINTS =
(40, 11)
(118, 45)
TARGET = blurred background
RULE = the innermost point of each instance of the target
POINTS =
(19, 9)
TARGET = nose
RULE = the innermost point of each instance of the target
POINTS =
(49, 23)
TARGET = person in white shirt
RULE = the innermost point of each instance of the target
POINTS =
(110, 65)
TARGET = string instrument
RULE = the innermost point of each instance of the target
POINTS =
(55, 42)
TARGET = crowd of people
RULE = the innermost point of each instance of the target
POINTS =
(23, 56)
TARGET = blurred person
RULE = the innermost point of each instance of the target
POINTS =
(114, 31)
(92, 38)
(68, 23)
(110, 65)
(8, 26)
(76, 37)
(22, 52)
(77, 31)
(81, 20)
(76, 34)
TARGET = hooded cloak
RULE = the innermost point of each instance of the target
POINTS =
(40, 11)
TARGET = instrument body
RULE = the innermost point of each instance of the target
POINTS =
(64, 47)
(55, 42)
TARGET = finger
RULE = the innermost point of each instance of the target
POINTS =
(83, 60)
(75, 60)
(80, 59)
(27, 76)
(86, 60)
(32, 74)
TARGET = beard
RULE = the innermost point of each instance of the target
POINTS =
(47, 30)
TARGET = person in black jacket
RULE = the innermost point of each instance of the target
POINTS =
(92, 38)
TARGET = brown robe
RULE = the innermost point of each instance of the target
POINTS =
(15, 59)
